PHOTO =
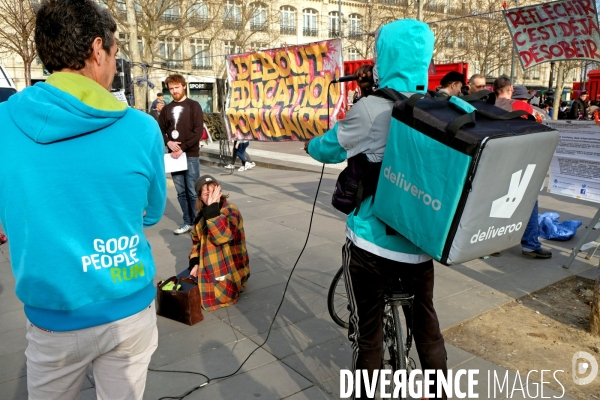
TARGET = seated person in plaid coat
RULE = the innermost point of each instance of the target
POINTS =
(219, 258)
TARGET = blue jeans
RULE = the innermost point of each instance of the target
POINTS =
(241, 152)
(532, 231)
(186, 193)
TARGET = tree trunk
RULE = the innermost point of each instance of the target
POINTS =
(595, 313)
(559, 90)
(27, 66)
(136, 70)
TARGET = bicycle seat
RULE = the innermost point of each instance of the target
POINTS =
(404, 299)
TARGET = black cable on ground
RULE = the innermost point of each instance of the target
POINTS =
(208, 380)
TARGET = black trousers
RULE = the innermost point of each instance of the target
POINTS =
(367, 276)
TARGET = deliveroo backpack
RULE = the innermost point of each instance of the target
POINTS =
(459, 179)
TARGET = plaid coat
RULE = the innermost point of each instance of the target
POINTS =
(219, 249)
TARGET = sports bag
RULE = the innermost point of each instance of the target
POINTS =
(459, 177)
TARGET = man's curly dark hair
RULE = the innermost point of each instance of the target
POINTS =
(66, 29)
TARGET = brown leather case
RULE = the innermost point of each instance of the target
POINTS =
(181, 305)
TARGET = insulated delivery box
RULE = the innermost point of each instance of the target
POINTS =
(459, 179)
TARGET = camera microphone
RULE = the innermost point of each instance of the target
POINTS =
(346, 78)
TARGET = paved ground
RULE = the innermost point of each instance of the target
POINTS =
(305, 349)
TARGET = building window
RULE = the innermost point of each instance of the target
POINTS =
(124, 44)
(170, 52)
(334, 24)
(287, 20)
(309, 18)
(232, 15)
(258, 46)
(231, 47)
(198, 14)
(171, 14)
(258, 20)
(353, 54)
(200, 50)
(449, 40)
(355, 28)
(535, 74)
(461, 38)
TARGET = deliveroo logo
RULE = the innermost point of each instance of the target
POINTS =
(505, 206)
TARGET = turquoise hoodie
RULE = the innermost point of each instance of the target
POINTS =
(79, 170)
(403, 51)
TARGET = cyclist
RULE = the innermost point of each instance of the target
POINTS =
(372, 256)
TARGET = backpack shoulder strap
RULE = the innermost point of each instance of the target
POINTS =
(390, 94)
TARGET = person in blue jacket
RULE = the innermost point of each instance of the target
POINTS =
(372, 256)
(86, 177)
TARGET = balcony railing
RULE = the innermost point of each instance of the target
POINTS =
(198, 22)
(233, 25)
(309, 32)
(437, 8)
(394, 2)
(201, 66)
(334, 33)
(355, 35)
(257, 27)
(287, 30)
(172, 64)
(169, 19)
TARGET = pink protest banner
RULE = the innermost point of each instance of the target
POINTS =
(281, 94)
(556, 31)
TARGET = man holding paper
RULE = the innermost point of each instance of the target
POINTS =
(181, 123)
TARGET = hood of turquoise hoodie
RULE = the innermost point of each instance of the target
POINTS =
(403, 52)
(47, 114)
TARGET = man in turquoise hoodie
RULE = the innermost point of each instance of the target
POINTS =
(84, 175)
(372, 257)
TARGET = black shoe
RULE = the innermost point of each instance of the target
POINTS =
(539, 253)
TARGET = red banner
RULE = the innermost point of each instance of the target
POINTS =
(281, 94)
(560, 30)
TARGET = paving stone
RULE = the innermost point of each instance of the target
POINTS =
(88, 394)
(271, 296)
(312, 393)
(464, 305)
(13, 341)
(15, 389)
(272, 381)
(214, 363)
(301, 336)
(198, 339)
(324, 361)
(291, 312)
(12, 320)
(12, 366)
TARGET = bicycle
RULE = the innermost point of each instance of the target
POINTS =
(395, 347)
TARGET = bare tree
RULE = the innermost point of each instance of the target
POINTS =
(17, 23)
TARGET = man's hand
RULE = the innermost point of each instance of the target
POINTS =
(214, 195)
(174, 146)
(306, 146)
(194, 271)
(176, 154)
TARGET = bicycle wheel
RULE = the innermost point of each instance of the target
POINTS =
(337, 300)
(394, 348)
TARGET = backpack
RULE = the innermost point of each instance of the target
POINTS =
(359, 179)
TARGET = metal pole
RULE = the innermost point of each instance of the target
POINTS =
(512, 57)
(583, 238)
(420, 10)
(340, 17)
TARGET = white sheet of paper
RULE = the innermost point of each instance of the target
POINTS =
(175, 164)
